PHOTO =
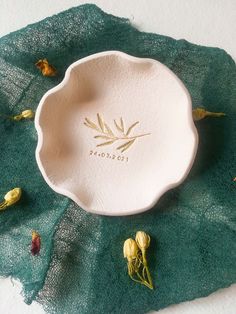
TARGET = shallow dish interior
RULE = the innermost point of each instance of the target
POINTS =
(116, 133)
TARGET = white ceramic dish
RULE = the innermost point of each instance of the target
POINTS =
(116, 133)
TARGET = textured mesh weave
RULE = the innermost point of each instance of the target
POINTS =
(193, 228)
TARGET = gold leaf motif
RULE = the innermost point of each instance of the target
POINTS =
(106, 133)
(100, 122)
(103, 137)
(109, 131)
(131, 127)
(106, 143)
(122, 125)
(118, 127)
(126, 145)
(91, 124)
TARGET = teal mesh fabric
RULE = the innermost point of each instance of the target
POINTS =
(81, 268)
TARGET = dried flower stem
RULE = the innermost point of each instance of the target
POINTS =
(146, 269)
(135, 252)
(141, 278)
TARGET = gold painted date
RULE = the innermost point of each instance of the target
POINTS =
(108, 156)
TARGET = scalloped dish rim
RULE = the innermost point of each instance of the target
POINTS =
(71, 195)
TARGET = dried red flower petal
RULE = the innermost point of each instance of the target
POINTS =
(36, 243)
(46, 68)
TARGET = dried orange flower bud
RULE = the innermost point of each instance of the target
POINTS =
(143, 240)
(36, 243)
(200, 113)
(130, 249)
(46, 68)
(11, 198)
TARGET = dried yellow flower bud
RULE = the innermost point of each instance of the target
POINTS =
(27, 114)
(130, 249)
(46, 68)
(200, 113)
(12, 196)
(135, 252)
(143, 240)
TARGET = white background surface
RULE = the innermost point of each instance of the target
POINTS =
(205, 22)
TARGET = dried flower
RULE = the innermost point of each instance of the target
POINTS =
(17, 117)
(143, 240)
(130, 249)
(46, 68)
(26, 114)
(11, 198)
(200, 113)
(135, 252)
(36, 243)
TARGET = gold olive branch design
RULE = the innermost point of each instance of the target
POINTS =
(108, 135)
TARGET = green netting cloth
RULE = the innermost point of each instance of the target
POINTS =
(81, 268)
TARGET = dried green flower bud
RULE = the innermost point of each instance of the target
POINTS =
(143, 240)
(27, 114)
(130, 249)
(12, 196)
